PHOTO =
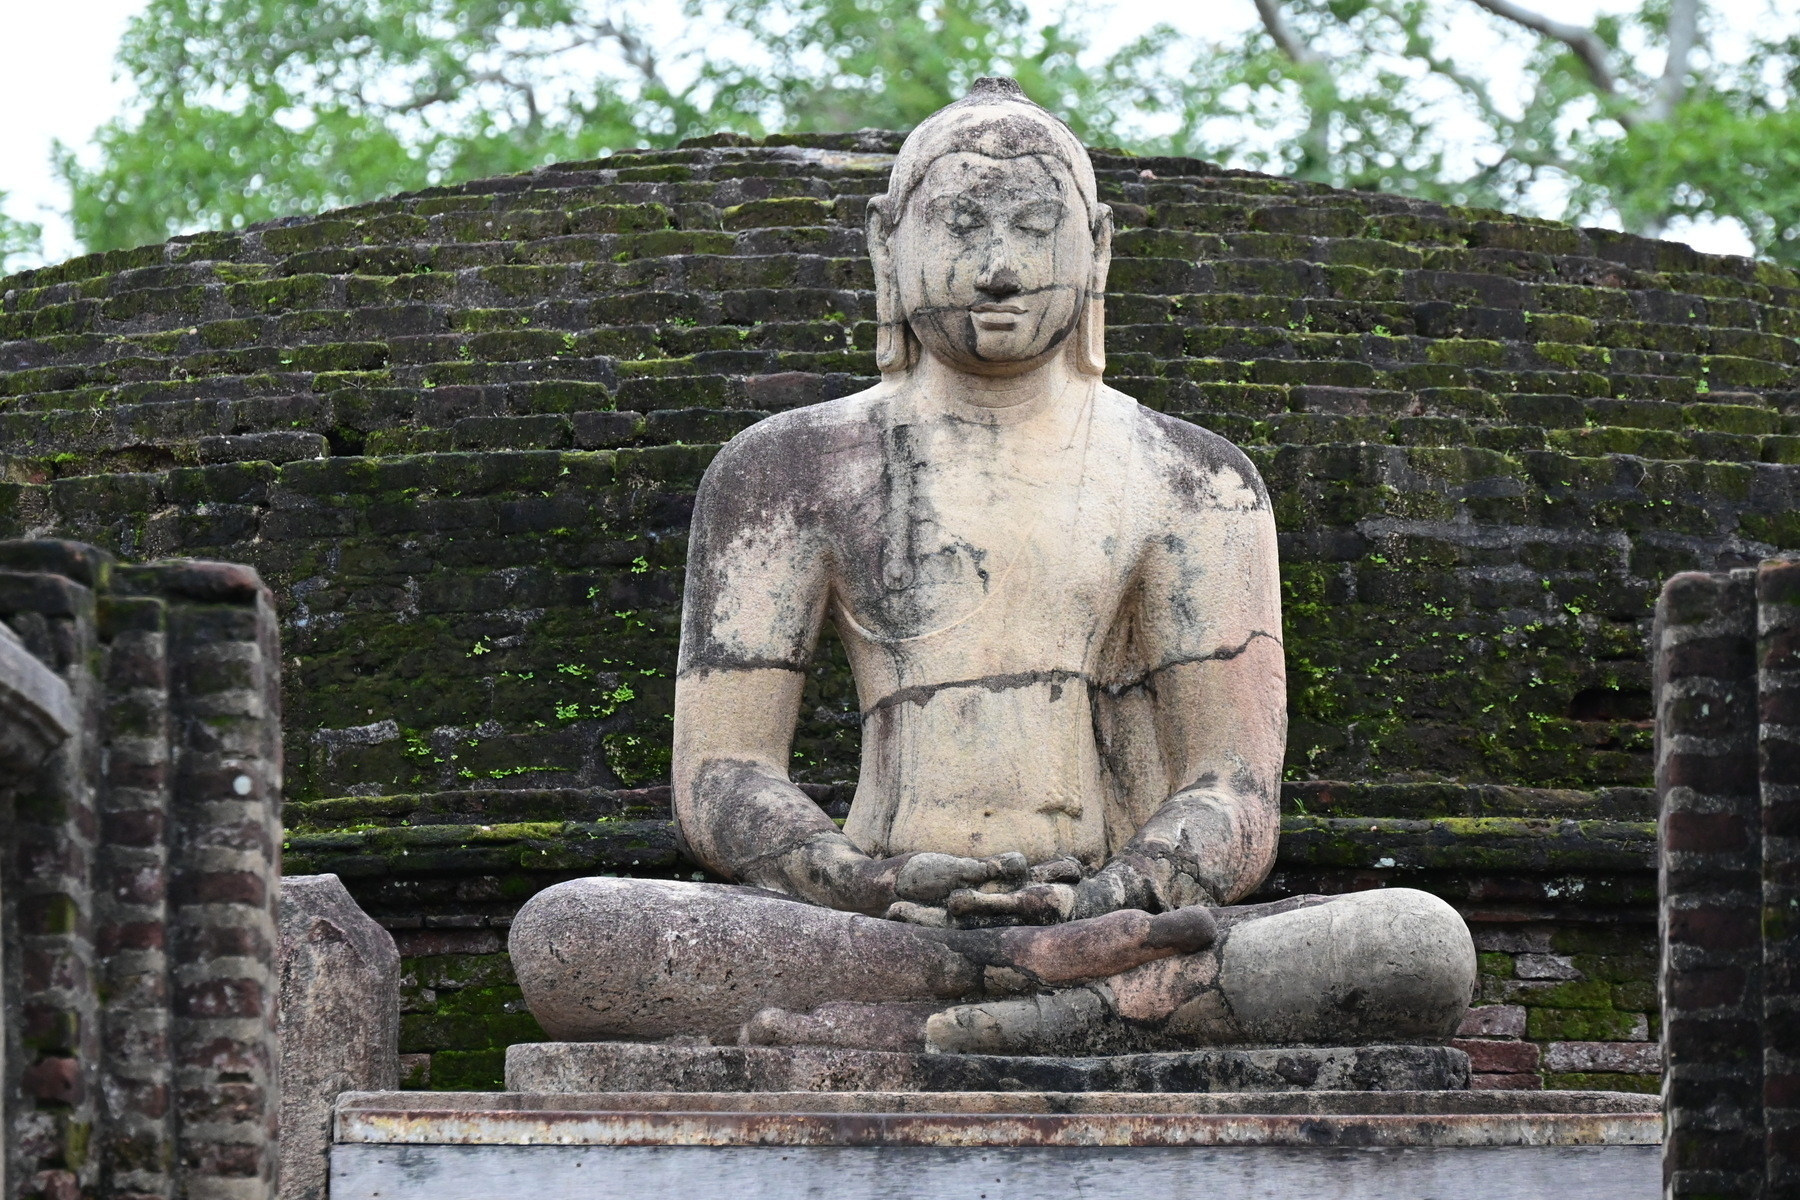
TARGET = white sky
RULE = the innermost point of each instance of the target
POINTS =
(57, 82)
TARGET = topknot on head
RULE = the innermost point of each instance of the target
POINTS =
(995, 87)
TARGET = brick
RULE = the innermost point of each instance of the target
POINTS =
(1493, 1021)
(1490, 1057)
(1627, 1057)
(1506, 1083)
(1545, 966)
(54, 1081)
(1707, 833)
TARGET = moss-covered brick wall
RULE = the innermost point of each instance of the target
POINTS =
(1558, 886)
(459, 432)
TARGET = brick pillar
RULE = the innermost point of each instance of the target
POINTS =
(1710, 865)
(37, 717)
(225, 862)
(1778, 688)
(50, 895)
(140, 864)
(137, 1143)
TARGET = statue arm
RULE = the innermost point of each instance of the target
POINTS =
(1210, 618)
(1214, 839)
(757, 584)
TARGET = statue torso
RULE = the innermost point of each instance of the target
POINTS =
(980, 570)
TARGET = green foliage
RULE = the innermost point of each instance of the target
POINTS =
(1366, 94)
(1730, 150)
(252, 109)
(888, 64)
(17, 238)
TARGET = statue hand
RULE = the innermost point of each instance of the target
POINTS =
(1125, 882)
(929, 878)
(924, 882)
(1035, 904)
(828, 869)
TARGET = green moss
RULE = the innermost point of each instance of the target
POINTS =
(274, 295)
(469, 1070)
(1580, 1025)
(1467, 352)
(1608, 1081)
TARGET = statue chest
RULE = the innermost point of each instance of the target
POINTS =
(1020, 546)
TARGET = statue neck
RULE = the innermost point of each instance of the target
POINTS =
(1001, 396)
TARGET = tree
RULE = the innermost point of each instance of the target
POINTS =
(17, 238)
(1359, 93)
(850, 64)
(250, 109)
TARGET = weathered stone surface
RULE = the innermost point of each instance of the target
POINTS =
(999, 1146)
(37, 713)
(340, 1020)
(636, 1067)
(1441, 1101)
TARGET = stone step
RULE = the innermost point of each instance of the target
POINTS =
(582, 1067)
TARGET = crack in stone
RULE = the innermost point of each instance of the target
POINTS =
(1222, 654)
(922, 692)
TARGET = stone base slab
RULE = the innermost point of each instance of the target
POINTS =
(977, 1173)
(640, 1067)
(995, 1146)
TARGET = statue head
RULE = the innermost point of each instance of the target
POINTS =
(990, 247)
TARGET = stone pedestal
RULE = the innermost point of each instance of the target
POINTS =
(572, 1067)
(996, 1146)
(340, 1020)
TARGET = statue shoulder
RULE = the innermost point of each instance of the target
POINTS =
(787, 451)
(1198, 466)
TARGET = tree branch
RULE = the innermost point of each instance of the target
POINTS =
(636, 51)
(1584, 43)
(1671, 89)
(1421, 48)
(1285, 38)
(1316, 85)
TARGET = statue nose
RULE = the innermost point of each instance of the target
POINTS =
(999, 281)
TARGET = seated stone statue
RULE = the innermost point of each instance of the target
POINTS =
(1062, 612)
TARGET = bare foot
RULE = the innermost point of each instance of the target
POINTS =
(1087, 949)
(845, 1025)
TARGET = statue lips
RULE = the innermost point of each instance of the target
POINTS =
(996, 318)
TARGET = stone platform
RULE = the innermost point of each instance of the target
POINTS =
(1025, 1145)
(565, 1067)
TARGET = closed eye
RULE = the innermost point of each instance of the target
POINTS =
(961, 214)
(1041, 217)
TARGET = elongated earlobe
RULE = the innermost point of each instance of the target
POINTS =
(1090, 328)
(894, 346)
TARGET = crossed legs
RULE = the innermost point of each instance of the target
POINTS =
(648, 960)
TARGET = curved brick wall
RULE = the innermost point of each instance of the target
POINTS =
(458, 432)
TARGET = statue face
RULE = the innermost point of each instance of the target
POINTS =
(993, 258)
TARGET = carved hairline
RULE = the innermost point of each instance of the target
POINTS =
(892, 207)
(1002, 99)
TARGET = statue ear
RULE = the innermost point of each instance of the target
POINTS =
(1090, 327)
(894, 346)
